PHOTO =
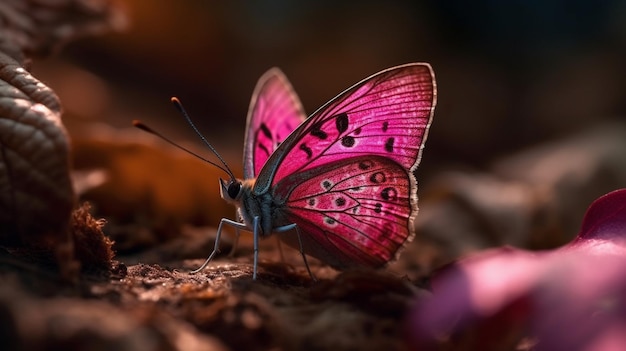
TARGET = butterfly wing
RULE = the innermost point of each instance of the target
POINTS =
(345, 176)
(275, 111)
(355, 212)
(387, 114)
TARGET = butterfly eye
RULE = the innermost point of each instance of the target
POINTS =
(233, 189)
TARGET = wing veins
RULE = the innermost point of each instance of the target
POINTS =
(342, 238)
(369, 94)
(375, 83)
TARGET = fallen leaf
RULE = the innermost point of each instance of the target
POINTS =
(36, 195)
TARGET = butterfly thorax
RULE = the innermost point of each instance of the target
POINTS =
(250, 205)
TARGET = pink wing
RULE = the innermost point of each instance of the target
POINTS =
(346, 175)
(354, 212)
(275, 111)
(387, 114)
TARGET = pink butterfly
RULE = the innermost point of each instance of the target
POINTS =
(339, 185)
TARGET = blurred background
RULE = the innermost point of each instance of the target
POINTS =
(510, 75)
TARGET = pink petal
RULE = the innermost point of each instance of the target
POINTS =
(605, 218)
(571, 298)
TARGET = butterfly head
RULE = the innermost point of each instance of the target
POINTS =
(231, 190)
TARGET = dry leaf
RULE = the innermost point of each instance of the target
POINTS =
(36, 195)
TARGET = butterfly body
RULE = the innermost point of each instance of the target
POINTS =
(250, 205)
(338, 185)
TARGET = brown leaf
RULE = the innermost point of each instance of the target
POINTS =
(36, 27)
(36, 195)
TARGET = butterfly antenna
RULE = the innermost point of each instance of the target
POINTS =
(182, 110)
(145, 128)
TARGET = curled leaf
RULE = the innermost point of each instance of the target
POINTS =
(36, 195)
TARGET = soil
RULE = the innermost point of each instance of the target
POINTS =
(161, 306)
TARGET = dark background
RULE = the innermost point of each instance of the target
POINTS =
(510, 74)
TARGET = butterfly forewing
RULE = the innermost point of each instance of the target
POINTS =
(275, 111)
(387, 114)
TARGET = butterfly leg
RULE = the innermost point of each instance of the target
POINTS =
(295, 227)
(216, 246)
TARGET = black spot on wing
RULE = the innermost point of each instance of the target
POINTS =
(389, 193)
(389, 144)
(319, 133)
(307, 150)
(385, 126)
(378, 177)
(347, 141)
(342, 123)
(340, 201)
(365, 165)
(265, 131)
(327, 184)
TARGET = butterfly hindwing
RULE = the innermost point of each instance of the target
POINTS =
(354, 211)
(275, 111)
